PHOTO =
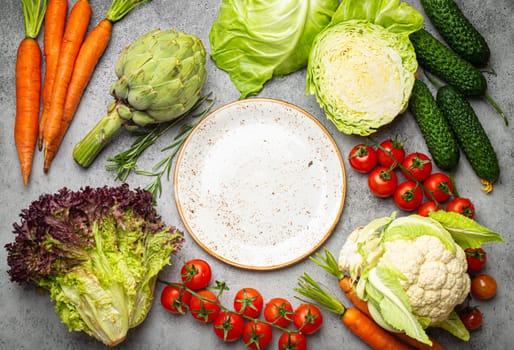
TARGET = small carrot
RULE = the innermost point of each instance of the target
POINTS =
(74, 33)
(55, 20)
(370, 332)
(91, 51)
(356, 321)
(346, 286)
(28, 85)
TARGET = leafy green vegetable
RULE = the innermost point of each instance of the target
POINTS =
(256, 40)
(97, 252)
(465, 231)
(361, 67)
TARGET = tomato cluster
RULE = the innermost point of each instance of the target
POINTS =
(249, 319)
(407, 178)
(483, 287)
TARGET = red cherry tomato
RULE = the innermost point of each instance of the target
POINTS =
(307, 318)
(440, 185)
(483, 286)
(390, 153)
(363, 158)
(204, 307)
(278, 311)
(196, 274)
(471, 317)
(382, 182)
(257, 335)
(175, 299)
(462, 206)
(292, 341)
(408, 196)
(426, 208)
(419, 166)
(249, 302)
(476, 258)
(228, 326)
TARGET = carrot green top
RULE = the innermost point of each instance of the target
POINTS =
(119, 8)
(33, 14)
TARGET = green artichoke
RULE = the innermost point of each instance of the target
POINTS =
(160, 78)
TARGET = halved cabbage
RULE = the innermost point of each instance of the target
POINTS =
(362, 75)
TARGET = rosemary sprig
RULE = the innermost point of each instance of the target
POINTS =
(164, 166)
(125, 162)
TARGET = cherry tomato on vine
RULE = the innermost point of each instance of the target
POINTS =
(426, 208)
(307, 318)
(462, 206)
(292, 341)
(390, 153)
(257, 335)
(278, 311)
(483, 286)
(204, 307)
(440, 185)
(382, 182)
(476, 258)
(175, 299)
(471, 317)
(249, 302)
(363, 158)
(228, 326)
(408, 196)
(196, 274)
(419, 166)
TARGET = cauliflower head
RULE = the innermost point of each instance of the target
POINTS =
(412, 270)
(433, 277)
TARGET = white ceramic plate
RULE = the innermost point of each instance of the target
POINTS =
(259, 184)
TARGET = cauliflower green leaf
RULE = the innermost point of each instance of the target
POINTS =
(465, 231)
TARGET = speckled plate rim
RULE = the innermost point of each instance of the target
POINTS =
(231, 262)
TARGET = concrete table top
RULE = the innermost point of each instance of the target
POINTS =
(27, 318)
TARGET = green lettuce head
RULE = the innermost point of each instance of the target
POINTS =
(362, 65)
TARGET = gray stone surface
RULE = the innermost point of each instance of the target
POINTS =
(27, 319)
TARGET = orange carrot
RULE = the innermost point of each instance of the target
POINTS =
(417, 344)
(55, 20)
(346, 286)
(370, 332)
(90, 52)
(28, 86)
(74, 33)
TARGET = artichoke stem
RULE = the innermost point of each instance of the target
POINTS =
(102, 133)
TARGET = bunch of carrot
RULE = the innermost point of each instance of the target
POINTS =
(70, 58)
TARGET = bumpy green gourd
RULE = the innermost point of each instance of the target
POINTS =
(457, 31)
(469, 132)
(160, 77)
(438, 59)
(436, 131)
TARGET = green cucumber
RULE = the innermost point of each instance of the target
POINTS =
(434, 127)
(440, 60)
(469, 133)
(457, 31)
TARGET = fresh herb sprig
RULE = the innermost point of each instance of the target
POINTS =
(126, 162)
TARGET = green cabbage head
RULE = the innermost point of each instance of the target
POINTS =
(362, 65)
